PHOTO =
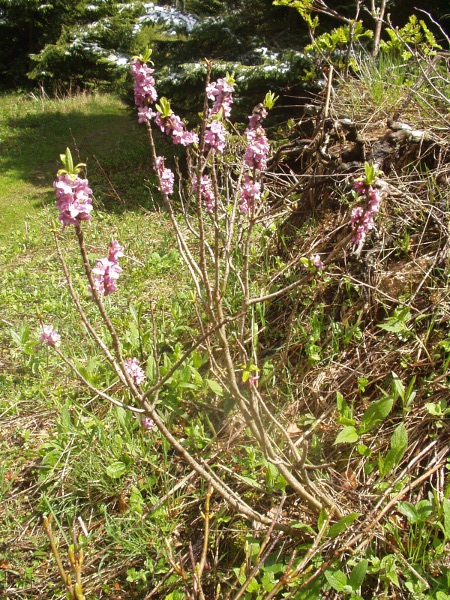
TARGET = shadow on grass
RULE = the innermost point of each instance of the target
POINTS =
(110, 142)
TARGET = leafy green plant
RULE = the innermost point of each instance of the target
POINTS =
(351, 585)
(372, 417)
(412, 38)
(397, 323)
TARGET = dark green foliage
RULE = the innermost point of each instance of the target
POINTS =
(25, 27)
(63, 42)
(260, 43)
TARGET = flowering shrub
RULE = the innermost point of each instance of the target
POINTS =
(231, 192)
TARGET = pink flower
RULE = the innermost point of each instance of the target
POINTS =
(49, 336)
(144, 89)
(252, 380)
(148, 423)
(105, 274)
(115, 251)
(206, 191)
(257, 150)
(362, 219)
(250, 193)
(165, 176)
(73, 199)
(316, 261)
(174, 126)
(134, 370)
(360, 186)
(215, 136)
(221, 92)
(259, 113)
(145, 113)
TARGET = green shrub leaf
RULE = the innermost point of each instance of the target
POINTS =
(348, 435)
(376, 412)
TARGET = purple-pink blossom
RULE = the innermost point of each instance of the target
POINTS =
(257, 149)
(134, 370)
(221, 92)
(252, 380)
(148, 423)
(165, 176)
(259, 113)
(216, 136)
(362, 219)
(49, 336)
(206, 191)
(317, 262)
(250, 194)
(105, 274)
(115, 251)
(73, 199)
(174, 126)
(144, 89)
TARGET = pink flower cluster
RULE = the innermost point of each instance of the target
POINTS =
(174, 126)
(144, 89)
(255, 158)
(221, 92)
(259, 113)
(206, 191)
(216, 136)
(250, 193)
(107, 270)
(49, 336)
(362, 219)
(165, 176)
(134, 370)
(73, 199)
(115, 251)
(145, 95)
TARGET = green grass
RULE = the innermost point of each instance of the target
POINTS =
(100, 131)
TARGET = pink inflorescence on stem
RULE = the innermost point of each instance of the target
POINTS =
(115, 251)
(362, 219)
(134, 370)
(49, 336)
(259, 113)
(73, 199)
(250, 193)
(165, 175)
(257, 148)
(107, 270)
(174, 126)
(144, 89)
(206, 191)
(148, 423)
(221, 92)
(215, 136)
(255, 158)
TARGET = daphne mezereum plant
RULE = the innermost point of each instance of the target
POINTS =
(226, 201)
